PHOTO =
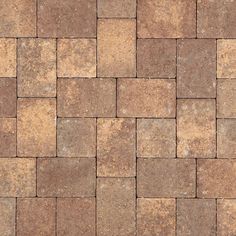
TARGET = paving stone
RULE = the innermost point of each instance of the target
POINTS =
(166, 19)
(76, 137)
(156, 138)
(116, 206)
(76, 57)
(18, 177)
(116, 48)
(36, 216)
(146, 98)
(116, 147)
(196, 217)
(36, 127)
(156, 58)
(156, 216)
(86, 97)
(76, 216)
(59, 18)
(66, 177)
(166, 178)
(36, 75)
(196, 128)
(196, 68)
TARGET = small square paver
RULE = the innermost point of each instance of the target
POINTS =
(156, 216)
(76, 57)
(36, 74)
(156, 58)
(156, 138)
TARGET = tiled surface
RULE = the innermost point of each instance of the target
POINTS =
(117, 117)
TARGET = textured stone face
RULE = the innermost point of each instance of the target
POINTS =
(156, 216)
(156, 138)
(36, 216)
(36, 68)
(149, 98)
(116, 206)
(196, 125)
(166, 178)
(76, 216)
(116, 48)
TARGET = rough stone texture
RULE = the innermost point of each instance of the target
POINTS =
(7, 216)
(166, 19)
(18, 18)
(116, 206)
(116, 48)
(18, 177)
(196, 217)
(76, 216)
(216, 178)
(7, 56)
(64, 177)
(156, 216)
(59, 18)
(196, 128)
(156, 138)
(7, 137)
(36, 127)
(226, 62)
(76, 57)
(86, 97)
(156, 58)
(226, 138)
(116, 147)
(36, 68)
(216, 19)
(166, 178)
(146, 98)
(76, 137)
(36, 216)
(196, 68)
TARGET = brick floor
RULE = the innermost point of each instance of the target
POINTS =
(117, 117)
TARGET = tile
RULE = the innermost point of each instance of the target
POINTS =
(7, 137)
(76, 57)
(156, 216)
(76, 137)
(156, 58)
(36, 74)
(36, 127)
(146, 98)
(226, 138)
(216, 19)
(18, 18)
(116, 8)
(196, 217)
(116, 47)
(36, 216)
(56, 177)
(18, 177)
(166, 178)
(196, 128)
(166, 19)
(116, 206)
(76, 216)
(7, 56)
(116, 147)
(156, 138)
(59, 18)
(86, 97)
(226, 62)
(216, 178)
(196, 68)
(7, 216)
